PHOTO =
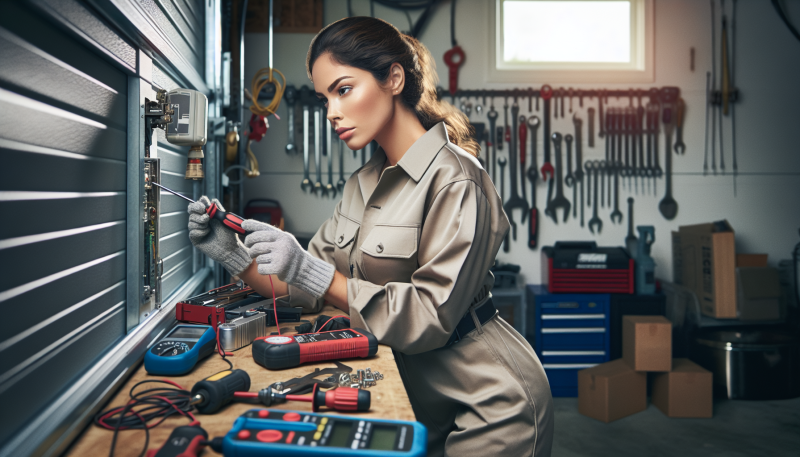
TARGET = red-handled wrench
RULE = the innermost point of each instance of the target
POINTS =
(453, 58)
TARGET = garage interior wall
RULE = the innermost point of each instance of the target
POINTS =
(765, 213)
(73, 78)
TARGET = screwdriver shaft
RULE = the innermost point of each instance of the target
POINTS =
(173, 192)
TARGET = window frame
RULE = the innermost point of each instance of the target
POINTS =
(641, 70)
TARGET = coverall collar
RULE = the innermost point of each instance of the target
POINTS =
(414, 162)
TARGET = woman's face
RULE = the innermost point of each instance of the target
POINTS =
(358, 106)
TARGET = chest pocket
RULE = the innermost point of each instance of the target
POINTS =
(390, 253)
(346, 232)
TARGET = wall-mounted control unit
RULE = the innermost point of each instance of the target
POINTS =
(183, 115)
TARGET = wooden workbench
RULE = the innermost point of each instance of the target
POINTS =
(389, 398)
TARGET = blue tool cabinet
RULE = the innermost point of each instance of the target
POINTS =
(571, 333)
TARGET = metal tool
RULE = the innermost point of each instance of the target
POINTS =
(601, 118)
(578, 123)
(569, 179)
(306, 185)
(319, 188)
(591, 167)
(522, 137)
(501, 162)
(505, 135)
(533, 176)
(658, 172)
(680, 148)
(492, 116)
(616, 215)
(546, 92)
(558, 201)
(515, 201)
(340, 184)
(630, 241)
(291, 97)
(591, 128)
(602, 169)
(637, 132)
(214, 211)
(330, 188)
(668, 206)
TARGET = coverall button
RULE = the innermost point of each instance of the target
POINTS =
(341, 238)
(379, 248)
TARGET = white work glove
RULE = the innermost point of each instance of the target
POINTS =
(215, 240)
(278, 253)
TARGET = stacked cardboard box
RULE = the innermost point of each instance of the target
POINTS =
(617, 389)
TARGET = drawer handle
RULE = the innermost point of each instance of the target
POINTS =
(572, 316)
(568, 353)
(574, 330)
(568, 366)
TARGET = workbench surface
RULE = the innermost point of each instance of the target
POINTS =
(389, 397)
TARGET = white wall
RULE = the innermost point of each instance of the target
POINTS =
(766, 211)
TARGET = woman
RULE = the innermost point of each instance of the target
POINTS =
(408, 249)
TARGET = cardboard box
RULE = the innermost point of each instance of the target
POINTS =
(611, 391)
(647, 343)
(751, 260)
(686, 391)
(759, 293)
(708, 262)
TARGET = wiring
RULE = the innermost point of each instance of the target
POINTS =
(155, 404)
(263, 77)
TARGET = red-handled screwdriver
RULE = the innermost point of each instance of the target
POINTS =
(339, 399)
(229, 220)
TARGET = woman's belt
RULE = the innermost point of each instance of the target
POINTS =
(484, 312)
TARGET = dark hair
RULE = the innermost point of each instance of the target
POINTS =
(373, 45)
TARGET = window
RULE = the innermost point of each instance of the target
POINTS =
(573, 41)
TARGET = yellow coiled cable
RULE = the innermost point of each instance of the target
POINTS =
(263, 77)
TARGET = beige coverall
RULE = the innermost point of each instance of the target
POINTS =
(416, 245)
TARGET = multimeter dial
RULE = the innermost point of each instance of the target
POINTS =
(171, 348)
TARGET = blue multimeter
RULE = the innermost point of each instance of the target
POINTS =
(179, 351)
(260, 432)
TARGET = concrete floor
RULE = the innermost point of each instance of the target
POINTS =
(739, 428)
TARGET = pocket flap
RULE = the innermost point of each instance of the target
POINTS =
(391, 241)
(345, 232)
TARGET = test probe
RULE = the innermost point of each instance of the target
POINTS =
(216, 391)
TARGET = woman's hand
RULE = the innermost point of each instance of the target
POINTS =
(278, 253)
(215, 240)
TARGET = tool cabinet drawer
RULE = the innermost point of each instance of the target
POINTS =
(563, 377)
(573, 320)
(578, 338)
(576, 356)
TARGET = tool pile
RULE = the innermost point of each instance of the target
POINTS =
(631, 129)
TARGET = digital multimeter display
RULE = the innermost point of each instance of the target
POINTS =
(187, 332)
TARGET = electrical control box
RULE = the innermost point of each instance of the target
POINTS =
(153, 266)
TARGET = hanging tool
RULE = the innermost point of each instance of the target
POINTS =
(713, 91)
(515, 201)
(340, 184)
(616, 215)
(733, 94)
(630, 240)
(330, 188)
(680, 148)
(668, 206)
(600, 95)
(291, 97)
(630, 115)
(570, 180)
(595, 221)
(724, 84)
(578, 122)
(523, 140)
(319, 188)
(558, 201)
(492, 115)
(306, 185)
(501, 162)
(591, 128)
(546, 93)
(455, 56)
(533, 175)
(229, 220)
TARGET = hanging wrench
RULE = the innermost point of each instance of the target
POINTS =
(569, 180)
(502, 163)
(319, 188)
(330, 188)
(591, 167)
(340, 184)
(591, 129)
(680, 148)
(492, 115)
(637, 131)
(291, 98)
(515, 201)
(559, 201)
(578, 122)
(306, 184)
(546, 93)
(616, 215)
(523, 140)
(533, 175)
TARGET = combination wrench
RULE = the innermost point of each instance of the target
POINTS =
(492, 115)
(591, 167)
(306, 184)
(501, 162)
(515, 201)
(291, 98)
(319, 188)
(340, 184)
(558, 201)
(330, 188)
